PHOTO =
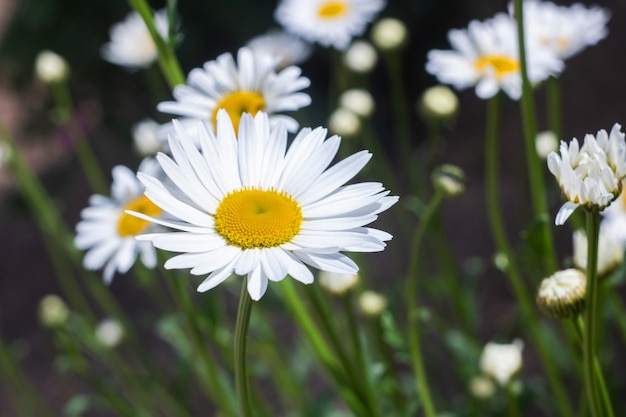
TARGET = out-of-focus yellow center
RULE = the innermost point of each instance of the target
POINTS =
(562, 44)
(500, 64)
(128, 225)
(254, 218)
(238, 103)
(332, 9)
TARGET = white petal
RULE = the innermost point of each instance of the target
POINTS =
(564, 212)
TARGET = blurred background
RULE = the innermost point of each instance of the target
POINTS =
(110, 99)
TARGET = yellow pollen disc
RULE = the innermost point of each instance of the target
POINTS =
(253, 218)
(238, 103)
(332, 9)
(129, 225)
(562, 44)
(501, 65)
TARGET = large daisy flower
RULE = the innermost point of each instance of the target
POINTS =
(249, 85)
(331, 23)
(131, 45)
(250, 206)
(486, 55)
(590, 176)
(565, 30)
(108, 233)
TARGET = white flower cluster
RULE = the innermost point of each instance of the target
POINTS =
(591, 175)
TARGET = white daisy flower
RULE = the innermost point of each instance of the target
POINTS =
(108, 233)
(249, 85)
(131, 45)
(590, 176)
(250, 206)
(502, 361)
(285, 47)
(330, 23)
(486, 55)
(565, 30)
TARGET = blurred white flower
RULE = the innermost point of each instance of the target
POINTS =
(439, 102)
(107, 233)
(248, 85)
(566, 30)
(372, 303)
(562, 295)
(51, 67)
(360, 57)
(485, 55)
(613, 224)
(357, 100)
(344, 122)
(131, 45)
(590, 176)
(502, 361)
(546, 142)
(610, 253)
(336, 283)
(145, 139)
(286, 48)
(389, 33)
(109, 333)
(53, 311)
(330, 23)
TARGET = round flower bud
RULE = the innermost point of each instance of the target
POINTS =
(109, 333)
(562, 295)
(439, 103)
(481, 387)
(360, 57)
(53, 311)
(449, 179)
(337, 284)
(502, 361)
(610, 254)
(372, 303)
(344, 122)
(358, 101)
(389, 34)
(51, 67)
(145, 139)
(546, 142)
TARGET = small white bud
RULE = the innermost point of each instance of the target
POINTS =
(562, 295)
(389, 33)
(109, 333)
(481, 387)
(546, 142)
(51, 67)
(361, 57)
(372, 303)
(145, 139)
(502, 361)
(357, 100)
(438, 102)
(344, 122)
(449, 179)
(53, 311)
(337, 284)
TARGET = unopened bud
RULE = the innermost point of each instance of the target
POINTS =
(344, 122)
(145, 139)
(53, 311)
(449, 179)
(372, 303)
(337, 284)
(481, 387)
(562, 295)
(438, 102)
(51, 67)
(357, 100)
(361, 57)
(109, 333)
(389, 34)
(546, 142)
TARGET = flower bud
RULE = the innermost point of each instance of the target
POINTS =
(562, 295)
(546, 142)
(337, 284)
(51, 67)
(449, 179)
(360, 57)
(145, 139)
(481, 387)
(439, 103)
(502, 361)
(610, 254)
(53, 311)
(372, 303)
(358, 101)
(109, 333)
(389, 34)
(344, 122)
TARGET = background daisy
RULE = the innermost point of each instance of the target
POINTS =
(107, 233)
(330, 23)
(249, 206)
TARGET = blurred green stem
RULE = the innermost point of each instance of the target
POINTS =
(421, 381)
(512, 270)
(167, 58)
(241, 340)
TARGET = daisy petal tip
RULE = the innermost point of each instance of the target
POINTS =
(565, 211)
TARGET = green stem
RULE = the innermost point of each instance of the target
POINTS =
(241, 338)
(512, 402)
(535, 172)
(421, 381)
(591, 300)
(513, 271)
(167, 58)
(554, 107)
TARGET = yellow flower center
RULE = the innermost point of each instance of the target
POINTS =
(238, 103)
(500, 64)
(128, 225)
(332, 9)
(255, 218)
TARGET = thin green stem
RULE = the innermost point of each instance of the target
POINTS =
(167, 58)
(535, 172)
(592, 220)
(241, 341)
(421, 381)
(513, 271)
(513, 404)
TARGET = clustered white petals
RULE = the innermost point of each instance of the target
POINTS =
(334, 215)
(591, 175)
